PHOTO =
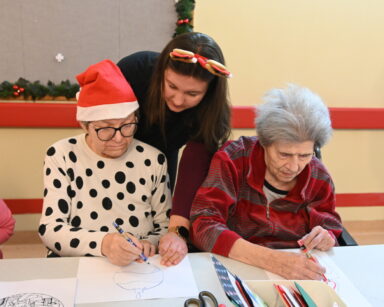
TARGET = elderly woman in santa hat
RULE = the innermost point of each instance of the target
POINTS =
(104, 177)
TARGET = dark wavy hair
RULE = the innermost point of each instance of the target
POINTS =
(211, 123)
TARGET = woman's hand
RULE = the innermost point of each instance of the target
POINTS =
(296, 266)
(289, 265)
(119, 251)
(172, 249)
(149, 249)
(318, 238)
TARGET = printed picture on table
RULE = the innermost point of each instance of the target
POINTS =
(30, 300)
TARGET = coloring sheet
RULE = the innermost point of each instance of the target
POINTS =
(38, 292)
(337, 280)
(101, 281)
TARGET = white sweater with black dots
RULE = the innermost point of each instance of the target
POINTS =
(85, 193)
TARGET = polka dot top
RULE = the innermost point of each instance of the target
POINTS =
(85, 193)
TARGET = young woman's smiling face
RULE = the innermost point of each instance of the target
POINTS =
(182, 92)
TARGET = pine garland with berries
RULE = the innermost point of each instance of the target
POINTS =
(35, 90)
(23, 88)
(184, 9)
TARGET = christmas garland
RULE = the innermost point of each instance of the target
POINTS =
(23, 88)
(184, 9)
(35, 90)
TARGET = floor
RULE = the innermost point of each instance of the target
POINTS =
(27, 244)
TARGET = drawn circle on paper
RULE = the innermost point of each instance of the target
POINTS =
(30, 300)
(139, 277)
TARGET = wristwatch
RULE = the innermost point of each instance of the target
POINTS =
(181, 231)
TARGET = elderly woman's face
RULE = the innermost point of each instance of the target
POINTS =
(285, 161)
(108, 142)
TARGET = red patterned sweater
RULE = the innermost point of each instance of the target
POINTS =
(231, 203)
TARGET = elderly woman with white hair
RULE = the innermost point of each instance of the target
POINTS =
(104, 177)
(269, 192)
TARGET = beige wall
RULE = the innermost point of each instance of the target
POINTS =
(21, 159)
(333, 47)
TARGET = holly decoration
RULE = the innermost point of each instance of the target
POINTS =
(36, 90)
(184, 9)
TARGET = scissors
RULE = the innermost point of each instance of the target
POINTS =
(204, 296)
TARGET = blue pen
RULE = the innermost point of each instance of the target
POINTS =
(121, 231)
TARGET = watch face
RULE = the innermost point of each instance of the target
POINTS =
(183, 232)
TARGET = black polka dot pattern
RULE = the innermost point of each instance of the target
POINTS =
(84, 195)
(105, 183)
(107, 203)
(134, 221)
(57, 183)
(74, 243)
(76, 221)
(72, 157)
(71, 174)
(93, 193)
(42, 229)
(131, 187)
(100, 164)
(71, 193)
(58, 246)
(63, 206)
(161, 159)
(120, 177)
(51, 151)
(79, 182)
(57, 228)
(48, 211)
(79, 205)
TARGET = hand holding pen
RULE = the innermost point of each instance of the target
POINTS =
(314, 259)
(126, 237)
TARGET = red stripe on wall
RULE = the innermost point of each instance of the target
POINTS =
(359, 199)
(35, 115)
(342, 118)
(56, 115)
(35, 205)
(21, 206)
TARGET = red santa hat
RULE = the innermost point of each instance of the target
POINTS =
(104, 93)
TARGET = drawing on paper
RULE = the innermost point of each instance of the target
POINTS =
(30, 300)
(139, 278)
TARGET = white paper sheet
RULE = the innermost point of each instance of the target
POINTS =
(101, 281)
(38, 292)
(344, 287)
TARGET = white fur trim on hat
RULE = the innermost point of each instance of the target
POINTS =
(110, 111)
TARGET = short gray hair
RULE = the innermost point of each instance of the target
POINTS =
(294, 114)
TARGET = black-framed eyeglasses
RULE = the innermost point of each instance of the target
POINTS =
(108, 133)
